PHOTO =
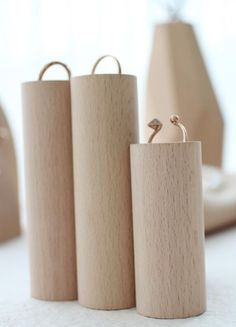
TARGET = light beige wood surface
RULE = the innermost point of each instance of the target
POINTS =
(178, 83)
(49, 189)
(9, 200)
(168, 229)
(104, 110)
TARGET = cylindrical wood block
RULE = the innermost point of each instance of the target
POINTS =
(168, 229)
(104, 110)
(49, 189)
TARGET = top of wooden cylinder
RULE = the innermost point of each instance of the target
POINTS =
(167, 151)
(46, 83)
(166, 144)
(102, 76)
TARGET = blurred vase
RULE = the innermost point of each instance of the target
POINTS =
(178, 83)
(9, 207)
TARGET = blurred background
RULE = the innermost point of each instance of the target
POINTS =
(77, 32)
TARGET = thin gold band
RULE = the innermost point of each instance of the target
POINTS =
(103, 57)
(43, 70)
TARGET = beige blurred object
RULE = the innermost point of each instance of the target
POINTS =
(9, 202)
(178, 83)
(219, 199)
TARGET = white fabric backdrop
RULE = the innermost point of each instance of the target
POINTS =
(34, 32)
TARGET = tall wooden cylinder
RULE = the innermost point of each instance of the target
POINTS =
(104, 110)
(168, 229)
(49, 189)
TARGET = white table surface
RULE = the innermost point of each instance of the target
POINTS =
(17, 309)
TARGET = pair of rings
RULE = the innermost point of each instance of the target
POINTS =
(157, 126)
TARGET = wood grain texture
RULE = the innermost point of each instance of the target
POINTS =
(178, 83)
(9, 201)
(168, 229)
(49, 189)
(104, 109)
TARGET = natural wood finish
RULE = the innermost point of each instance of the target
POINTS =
(168, 229)
(104, 109)
(49, 189)
(178, 83)
(9, 200)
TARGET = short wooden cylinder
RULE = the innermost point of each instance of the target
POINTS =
(104, 109)
(49, 189)
(168, 229)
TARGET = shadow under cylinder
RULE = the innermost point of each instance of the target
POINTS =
(168, 229)
(49, 189)
(105, 123)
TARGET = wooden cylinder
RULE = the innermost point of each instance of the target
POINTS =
(104, 111)
(49, 189)
(168, 229)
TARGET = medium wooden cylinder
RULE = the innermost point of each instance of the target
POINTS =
(168, 229)
(49, 189)
(104, 110)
